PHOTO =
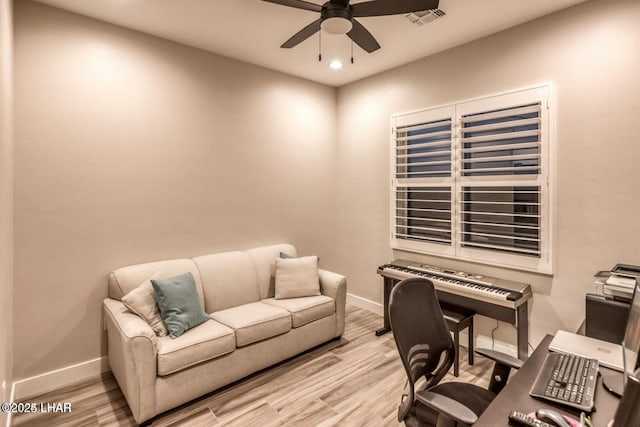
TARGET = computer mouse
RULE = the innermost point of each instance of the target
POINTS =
(552, 417)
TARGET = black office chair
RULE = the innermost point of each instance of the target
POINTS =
(427, 351)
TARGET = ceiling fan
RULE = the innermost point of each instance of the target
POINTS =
(338, 17)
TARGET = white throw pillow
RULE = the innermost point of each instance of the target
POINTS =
(297, 277)
(142, 302)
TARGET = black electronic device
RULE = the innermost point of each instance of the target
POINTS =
(627, 270)
(615, 382)
(522, 419)
(567, 379)
(606, 318)
(627, 413)
(631, 342)
(552, 417)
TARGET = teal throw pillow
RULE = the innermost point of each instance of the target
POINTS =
(179, 305)
(285, 255)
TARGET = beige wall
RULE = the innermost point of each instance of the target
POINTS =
(6, 201)
(591, 53)
(131, 149)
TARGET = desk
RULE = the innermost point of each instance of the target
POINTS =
(515, 396)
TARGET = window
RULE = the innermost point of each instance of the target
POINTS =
(471, 180)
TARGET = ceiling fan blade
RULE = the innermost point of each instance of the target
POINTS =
(298, 4)
(392, 7)
(363, 38)
(302, 35)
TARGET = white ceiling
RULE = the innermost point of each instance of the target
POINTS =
(253, 30)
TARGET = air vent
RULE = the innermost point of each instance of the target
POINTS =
(425, 16)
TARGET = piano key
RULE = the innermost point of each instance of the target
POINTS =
(465, 286)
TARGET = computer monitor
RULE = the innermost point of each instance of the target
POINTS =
(616, 382)
(627, 413)
(631, 341)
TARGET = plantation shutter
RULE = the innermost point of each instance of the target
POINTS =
(501, 143)
(505, 219)
(422, 157)
(424, 150)
(424, 213)
(471, 180)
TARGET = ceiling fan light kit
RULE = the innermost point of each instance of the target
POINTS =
(335, 19)
(336, 25)
(338, 17)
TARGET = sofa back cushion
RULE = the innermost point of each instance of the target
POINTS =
(125, 279)
(264, 259)
(229, 279)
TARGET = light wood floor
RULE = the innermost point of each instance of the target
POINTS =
(354, 381)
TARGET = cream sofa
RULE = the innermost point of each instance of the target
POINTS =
(251, 330)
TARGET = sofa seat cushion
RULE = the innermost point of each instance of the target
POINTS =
(305, 309)
(204, 342)
(254, 322)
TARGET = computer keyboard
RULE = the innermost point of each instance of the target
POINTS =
(567, 379)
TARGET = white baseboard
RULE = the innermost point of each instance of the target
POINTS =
(365, 304)
(62, 377)
(481, 340)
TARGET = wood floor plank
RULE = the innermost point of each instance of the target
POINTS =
(201, 417)
(377, 384)
(279, 379)
(310, 413)
(259, 415)
(354, 381)
(354, 416)
(316, 385)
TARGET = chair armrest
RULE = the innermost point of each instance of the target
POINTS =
(501, 369)
(448, 407)
(132, 349)
(500, 357)
(334, 285)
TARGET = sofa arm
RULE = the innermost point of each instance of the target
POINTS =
(334, 285)
(132, 347)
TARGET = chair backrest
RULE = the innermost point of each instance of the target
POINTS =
(420, 331)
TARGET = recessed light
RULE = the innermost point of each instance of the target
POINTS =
(336, 64)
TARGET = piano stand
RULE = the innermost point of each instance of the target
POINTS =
(382, 331)
(389, 283)
(518, 317)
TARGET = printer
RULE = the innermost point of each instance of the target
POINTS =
(621, 281)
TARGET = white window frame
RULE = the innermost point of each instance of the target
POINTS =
(541, 264)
